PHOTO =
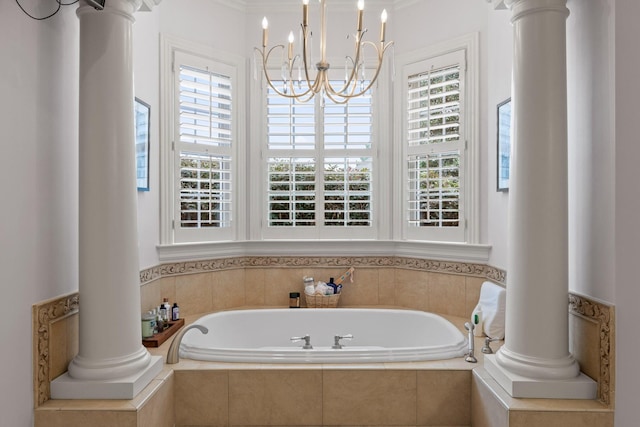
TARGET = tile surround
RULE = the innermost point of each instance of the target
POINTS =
(446, 287)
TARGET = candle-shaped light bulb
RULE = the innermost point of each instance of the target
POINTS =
(360, 12)
(265, 30)
(383, 20)
(290, 45)
(305, 12)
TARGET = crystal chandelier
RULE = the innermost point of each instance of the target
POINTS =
(303, 87)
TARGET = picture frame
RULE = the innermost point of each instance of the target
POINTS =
(503, 144)
(142, 122)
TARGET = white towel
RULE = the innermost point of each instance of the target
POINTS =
(492, 302)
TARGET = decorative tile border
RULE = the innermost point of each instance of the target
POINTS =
(602, 314)
(43, 315)
(447, 267)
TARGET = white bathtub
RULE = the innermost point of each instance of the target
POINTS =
(379, 335)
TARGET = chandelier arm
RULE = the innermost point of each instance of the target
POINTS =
(380, 52)
(265, 58)
(354, 70)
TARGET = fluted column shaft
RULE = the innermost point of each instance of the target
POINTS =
(537, 344)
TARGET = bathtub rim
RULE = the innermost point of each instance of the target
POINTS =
(326, 355)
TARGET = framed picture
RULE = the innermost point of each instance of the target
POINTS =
(504, 144)
(142, 113)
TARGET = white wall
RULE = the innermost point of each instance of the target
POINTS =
(591, 148)
(146, 53)
(498, 85)
(626, 208)
(39, 176)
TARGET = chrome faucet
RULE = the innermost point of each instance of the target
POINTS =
(173, 355)
(337, 338)
(307, 341)
(470, 357)
(487, 348)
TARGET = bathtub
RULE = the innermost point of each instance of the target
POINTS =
(379, 335)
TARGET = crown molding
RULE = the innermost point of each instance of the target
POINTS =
(260, 5)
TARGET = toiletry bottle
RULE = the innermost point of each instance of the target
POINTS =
(175, 312)
(148, 325)
(162, 311)
(333, 285)
(160, 320)
(294, 299)
(154, 314)
(478, 321)
(167, 309)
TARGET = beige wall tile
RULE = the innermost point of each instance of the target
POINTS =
(45, 418)
(411, 290)
(228, 289)
(560, 419)
(278, 282)
(387, 286)
(194, 293)
(447, 294)
(150, 294)
(275, 397)
(473, 285)
(159, 410)
(444, 398)
(363, 290)
(201, 397)
(369, 397)
(584, 344)
(168, 289)
(63, 344)
(486, 409)
(254, 286)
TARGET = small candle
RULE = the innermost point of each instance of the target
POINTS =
(265, 31)
(360, 12)
(383, 20)
(290, 45)
(305, 12)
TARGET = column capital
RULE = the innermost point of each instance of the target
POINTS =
(520, 8)
(121, 7)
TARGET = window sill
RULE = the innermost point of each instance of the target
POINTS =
(446, 251)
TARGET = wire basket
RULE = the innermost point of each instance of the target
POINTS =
(322, 301)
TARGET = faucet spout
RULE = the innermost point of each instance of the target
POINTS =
(173, 355)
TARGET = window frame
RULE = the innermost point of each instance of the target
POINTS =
(173, 51)
(408, 65)
(259, 160)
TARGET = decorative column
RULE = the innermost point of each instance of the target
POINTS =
(535, 359)
(111, 363)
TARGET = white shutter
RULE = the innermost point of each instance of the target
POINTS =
(319, 166)
(434, 148)
(203, 152)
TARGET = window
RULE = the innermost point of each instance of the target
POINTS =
(319, 161)
(435, 126)
(204, 149)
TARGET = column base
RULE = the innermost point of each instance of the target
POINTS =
(66, 387)
(580, 387)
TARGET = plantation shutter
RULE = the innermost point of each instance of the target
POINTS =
(203, 149)
(435, 147)
(319, 167)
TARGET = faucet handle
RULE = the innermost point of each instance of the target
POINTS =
(307, 341)
(487, 348)
(337, 338)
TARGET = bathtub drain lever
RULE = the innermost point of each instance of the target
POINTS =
(307, 341)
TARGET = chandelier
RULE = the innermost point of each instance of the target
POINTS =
(302, 86)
